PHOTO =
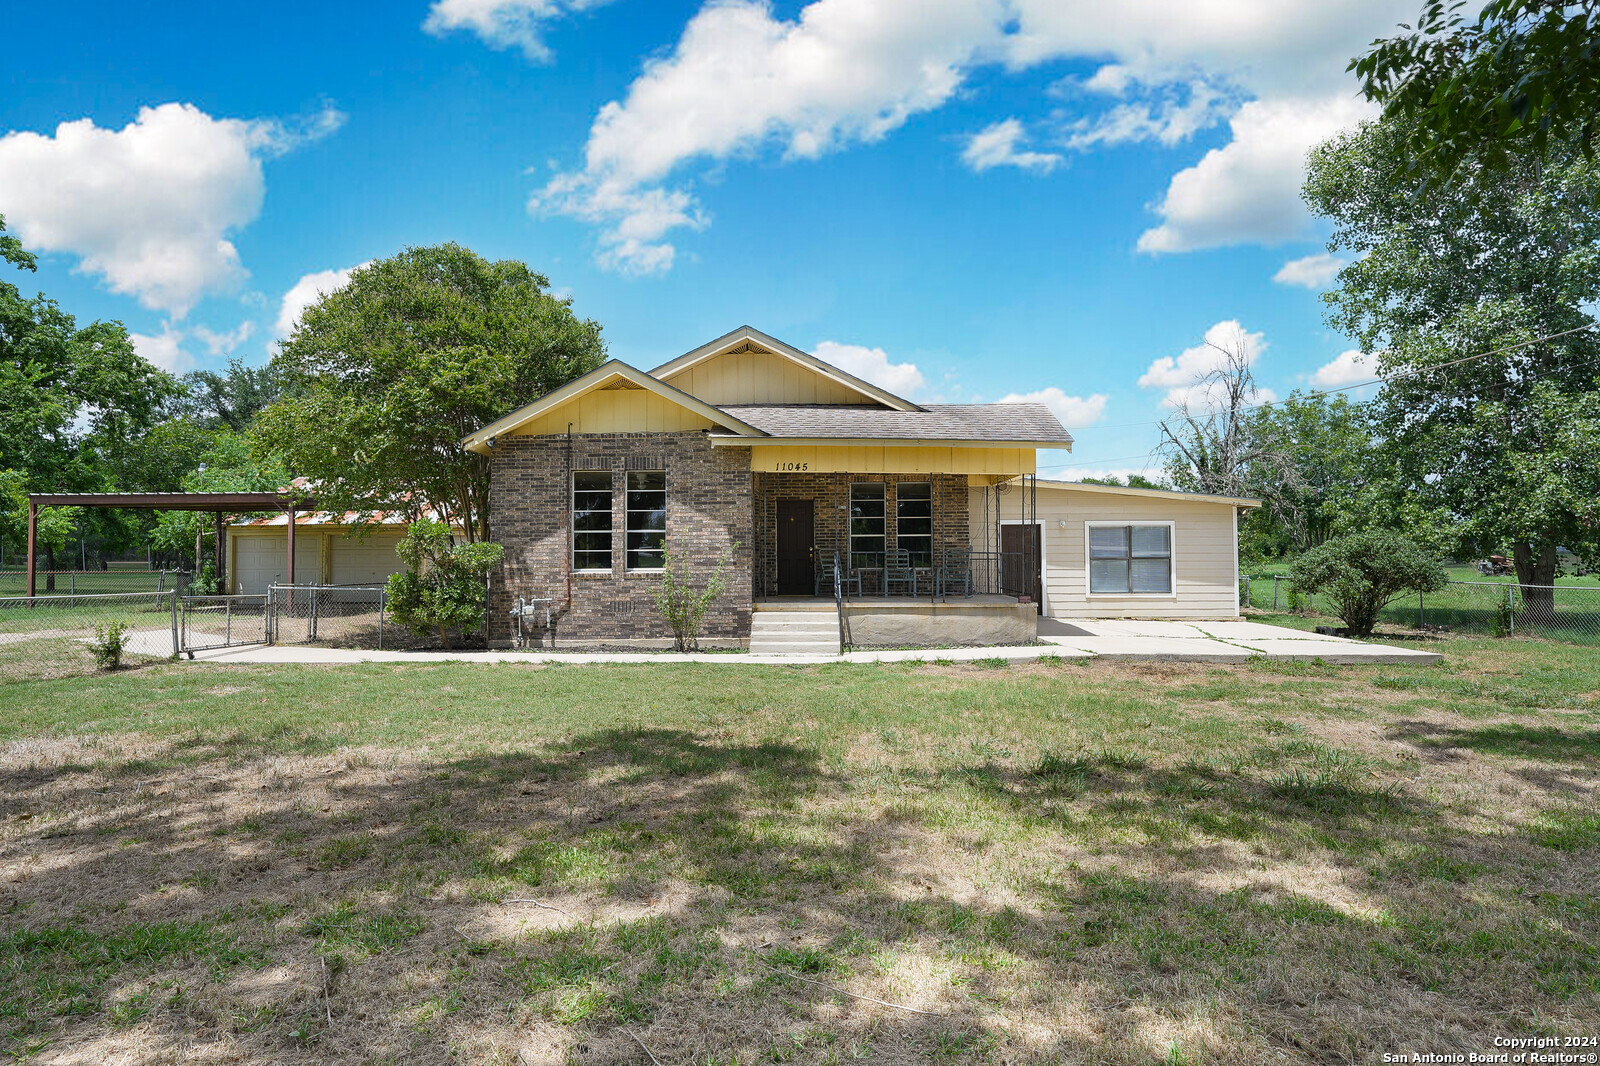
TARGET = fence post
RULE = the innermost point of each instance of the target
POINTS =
(1274, 591)
(227, 608)
(1419, 610)
(383, 601)
(1511, 608)
(72, 590)
(173, 600)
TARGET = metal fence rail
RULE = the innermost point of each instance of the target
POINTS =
(92, 582)
(207, 622)
(45, 637)
(332, 614)
(1568, 613)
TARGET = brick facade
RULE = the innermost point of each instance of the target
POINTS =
(708, 512)
(831, 516)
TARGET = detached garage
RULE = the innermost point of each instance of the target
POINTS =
(1113, 552)
(325, 553)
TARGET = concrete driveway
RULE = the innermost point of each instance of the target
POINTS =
(1223, 640)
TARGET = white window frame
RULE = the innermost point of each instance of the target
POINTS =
(627, 523)
(1172, 560)
(1044, 555)
(572, 524)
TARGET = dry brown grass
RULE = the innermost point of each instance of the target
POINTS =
(1235, 867)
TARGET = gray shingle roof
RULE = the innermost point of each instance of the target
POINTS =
(1030, 422)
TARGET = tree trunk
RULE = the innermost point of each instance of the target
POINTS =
(1536, 572)
(444, 636)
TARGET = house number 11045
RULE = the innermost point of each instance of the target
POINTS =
(791, 467)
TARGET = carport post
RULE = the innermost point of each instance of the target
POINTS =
(217, 554)
(33, 538)
(291, 558)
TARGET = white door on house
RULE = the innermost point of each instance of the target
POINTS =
(365, 561)
(260, 561)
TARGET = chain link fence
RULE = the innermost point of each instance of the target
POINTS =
(44, 637)
(92, 582)
(209, 622)
(1568, 613)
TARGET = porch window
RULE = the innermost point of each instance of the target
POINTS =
(591, 520)
(647, 519)
(914, 520)
(1130, 559)
(866, 524)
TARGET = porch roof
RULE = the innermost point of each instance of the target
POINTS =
(1002, 424)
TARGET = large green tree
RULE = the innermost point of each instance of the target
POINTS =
(1503, 445)
(74, 401)
(388, 374)
(1522, 79)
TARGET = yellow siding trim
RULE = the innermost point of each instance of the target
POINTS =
(760, 377)
(616, 411)
(811, 459)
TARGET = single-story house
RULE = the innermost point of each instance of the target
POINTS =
(749, 451)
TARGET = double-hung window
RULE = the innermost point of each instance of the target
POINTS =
(647, 519)
(591, 520)
(866, 524)
(1130, 559)
(913, 506)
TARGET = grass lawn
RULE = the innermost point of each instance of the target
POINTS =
(1111, 863)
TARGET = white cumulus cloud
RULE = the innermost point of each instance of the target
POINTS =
(1000, 145)
(225, 342)
(1184, 375)
(1074, 412)
(742, 82)
(504, 23)
(1348, 368)
(1311, 271)
(1248, 191)
(164, 349)
(307, 291)
(872, 364)
(149, 207)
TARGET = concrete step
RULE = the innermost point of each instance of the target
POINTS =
(807, 632)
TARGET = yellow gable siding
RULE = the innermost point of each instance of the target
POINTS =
(760, 377)
(784, 459)
(616, 411)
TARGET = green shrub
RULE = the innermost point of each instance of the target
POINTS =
(109, 643)
(1360, 573)
(444, 584)
(681, 604)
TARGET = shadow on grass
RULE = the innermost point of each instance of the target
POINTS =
(673, 864)
(1542, 743)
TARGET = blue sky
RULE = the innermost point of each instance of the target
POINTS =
(962, 199)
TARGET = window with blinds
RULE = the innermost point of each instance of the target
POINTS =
(1130, 559)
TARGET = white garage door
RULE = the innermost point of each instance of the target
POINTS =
(368, 560)
(260, 561)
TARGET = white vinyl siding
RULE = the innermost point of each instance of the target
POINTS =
(1205, 581)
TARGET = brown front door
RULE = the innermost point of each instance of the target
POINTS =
(796, 548)
(1020, 564)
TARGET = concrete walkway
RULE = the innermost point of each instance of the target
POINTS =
(1230, 641)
